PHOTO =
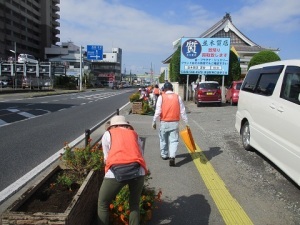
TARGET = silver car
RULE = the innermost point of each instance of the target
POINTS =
(26, 58)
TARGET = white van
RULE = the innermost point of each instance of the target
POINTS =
(26, 58)
(268, 115)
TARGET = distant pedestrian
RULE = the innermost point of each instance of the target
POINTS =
(123, 151)
(156, 93)
(169, 109)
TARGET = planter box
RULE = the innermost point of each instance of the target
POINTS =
(81, 210)
(137, 107)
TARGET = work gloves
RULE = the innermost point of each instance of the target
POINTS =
(154, 125)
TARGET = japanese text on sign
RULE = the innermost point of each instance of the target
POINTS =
(206, 56)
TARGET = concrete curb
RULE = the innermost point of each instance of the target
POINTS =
(15, 190)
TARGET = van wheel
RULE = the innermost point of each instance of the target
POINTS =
(245, 136)
(198, 104)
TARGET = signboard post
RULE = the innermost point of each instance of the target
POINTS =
(205, 56)
(95, 52)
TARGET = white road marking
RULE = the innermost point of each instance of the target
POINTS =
(26, 114)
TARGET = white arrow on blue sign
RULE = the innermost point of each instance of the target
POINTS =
(94, 52)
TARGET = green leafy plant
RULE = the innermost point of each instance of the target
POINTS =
(263, 57)
(82, 160)
(119, 208)
(66, 180)
(134, 97)
(147, 109)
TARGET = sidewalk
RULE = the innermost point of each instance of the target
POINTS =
(183, 192)
(185, 199)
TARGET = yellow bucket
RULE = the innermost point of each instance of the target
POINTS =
(187, 137)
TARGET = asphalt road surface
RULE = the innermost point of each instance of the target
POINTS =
(33, 129)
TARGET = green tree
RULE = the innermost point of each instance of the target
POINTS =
(263, 57)
(234, 71)
(161, 78)
(174, 74)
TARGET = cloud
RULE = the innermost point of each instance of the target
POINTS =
(145, 30)
(279, 16)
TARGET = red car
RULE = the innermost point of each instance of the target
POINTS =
(232, 94)
(208, 92)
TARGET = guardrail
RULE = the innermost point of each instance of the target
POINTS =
(37, 171)
(88, 132)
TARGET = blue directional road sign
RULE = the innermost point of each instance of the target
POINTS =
(94, 52)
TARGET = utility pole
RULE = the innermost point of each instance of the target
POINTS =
(151, 71)
(80, 68)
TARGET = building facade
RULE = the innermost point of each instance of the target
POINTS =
(28, 26)
(108, 70)
(67, 60)
(240, 44)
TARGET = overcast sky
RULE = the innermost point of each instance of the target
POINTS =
(145, 29)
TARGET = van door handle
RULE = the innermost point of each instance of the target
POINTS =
(280, 109)
(272, 106)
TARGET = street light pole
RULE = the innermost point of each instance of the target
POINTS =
(16, 79)
(15, 66)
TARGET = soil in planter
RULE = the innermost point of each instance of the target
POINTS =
(51, 196)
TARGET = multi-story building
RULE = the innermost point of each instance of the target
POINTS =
(28, 26)
(108, 70)
(67, 58)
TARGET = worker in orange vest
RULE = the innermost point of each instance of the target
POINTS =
(169, 109)
(123, 151)
(156, 93)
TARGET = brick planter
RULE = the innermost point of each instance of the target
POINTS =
(137, 107)
(81, 210)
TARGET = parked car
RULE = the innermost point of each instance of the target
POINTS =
(267, 116)
(34, 82)
(232, 94)
(208, 92)
(26, 58)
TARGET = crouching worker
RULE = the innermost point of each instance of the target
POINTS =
(124, 164)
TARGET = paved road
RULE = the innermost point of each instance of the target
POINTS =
(221, 183)
(36, 128)
(249, 189)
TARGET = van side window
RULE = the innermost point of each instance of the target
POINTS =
(290, 89)
(250, 81)
(262, 81)
(266, 84)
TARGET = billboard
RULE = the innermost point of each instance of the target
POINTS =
(205, 56)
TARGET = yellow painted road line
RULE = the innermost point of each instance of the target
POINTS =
(230, 209)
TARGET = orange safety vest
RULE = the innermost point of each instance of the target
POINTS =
(170, 108)
(156, 91)
(124, 148)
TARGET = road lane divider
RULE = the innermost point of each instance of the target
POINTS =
(228, 206)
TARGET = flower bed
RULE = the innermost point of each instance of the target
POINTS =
(80, 210)
(85, 169)
(140, 106)
(119, 208)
